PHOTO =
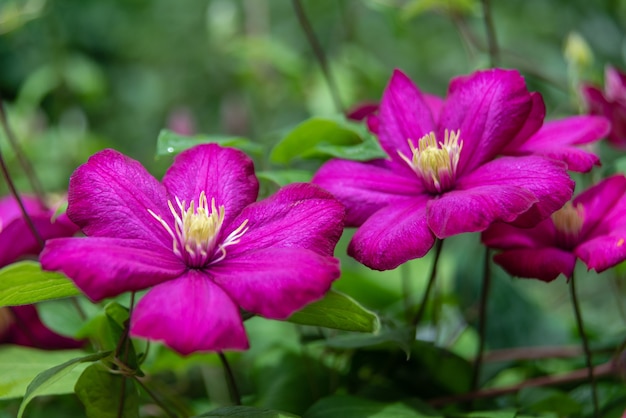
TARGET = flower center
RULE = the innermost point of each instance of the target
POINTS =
(435, 162)
(568, 221)
(197, 231)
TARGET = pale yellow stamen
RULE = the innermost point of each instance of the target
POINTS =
(569, 219)
(197, 229)
(435, 162)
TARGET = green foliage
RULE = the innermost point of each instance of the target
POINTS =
(246, 412)
(102, 392)
(46, 380)
(171, 143)
(24, 283)
(352, 407)
(337, 311)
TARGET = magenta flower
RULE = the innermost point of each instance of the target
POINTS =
(442, 177)
(592, 228)
(611, 103)
(200, 241)
(21, 325)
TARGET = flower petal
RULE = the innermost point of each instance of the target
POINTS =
(614, 84)
(403, 115)
(26, 329)
(506, 236)
(275, 282)
(225, 174)
(10, 210)
(109, 196)
(604, 206)
(501, 190)
(106, 267)
(393, 235)
(189, 314)
(537, 263)
(533, 124)
(17, 239)
(299, 215)
(604, 251)
(365, 188)
(489, 108)
(557, 139)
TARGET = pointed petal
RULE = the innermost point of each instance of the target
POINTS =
(394, 235)
(189, 314)
(403, 115)
(17, 239)
(603, 203)
(500, 191)
(435, 104)
(362, 110)
(225, 174)
(489, 108)
(533, 124)
(537, 263)
(365, 188)
(557, 139)
(299, 215)
(26, 329)
(275, 282)
(506, 236)
(106, 267)
(603, 252)
(109, 196)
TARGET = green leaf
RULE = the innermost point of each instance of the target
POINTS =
(337, 311)
(117, 318)
(488, 414)
(20, 365)
(100, 391)
(548, 400)
(353, 407)
(25, 283)
(453, 7)
(367, 150)
(45, 380)
(304, 138)
(284, 177)
(247, 412)
(171, 143)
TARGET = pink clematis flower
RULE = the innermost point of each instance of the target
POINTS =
(592, 228)
(21, 325)
(611, 103)
(442, 176)
(200, 241)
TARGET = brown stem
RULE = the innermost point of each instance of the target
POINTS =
(431, 281)
(574, 376)
(490, 28)
(19, 153)
(319, 53)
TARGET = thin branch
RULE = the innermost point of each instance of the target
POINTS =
(431, 281)
(532, 353)
(19, 153)
(492, 41)
(482, 319)
(319, 53)
(585, 343)
(605, 369)
(155, 398)
(20, 203)
(230, 380)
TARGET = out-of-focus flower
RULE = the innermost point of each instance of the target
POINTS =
(181, 121)
(201, 240)
(21, 325)
(610, 103)
(592, 228)
(442, 176)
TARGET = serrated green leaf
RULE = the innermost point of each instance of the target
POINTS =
(48, 378)
(100, 392)
(25, 283)
(171, 143)
(304, 138)
(284, 177)
(337, 311)
(20, 365)
(246, 412)
(353, 407)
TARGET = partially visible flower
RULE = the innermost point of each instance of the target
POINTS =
(200, 242)
(181, 121)
(21, 325)
(610, 103)
(592, 227)
(442, 176)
